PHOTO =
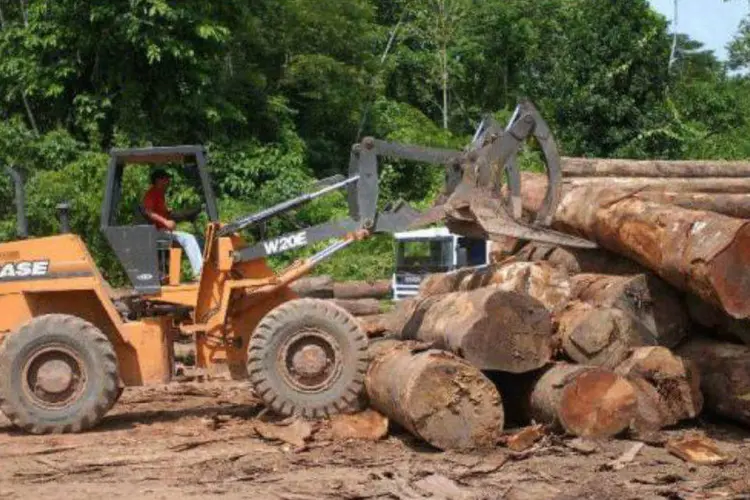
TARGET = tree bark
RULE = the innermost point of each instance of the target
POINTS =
(584, 401)
(725, 185)
(320, 287)
(716, 323)
(725, 376)
(359, 307)
(439, 283)
(547, 284)
(491, 328)
(437, 396)
(597, 167)
(693, 250)
(599, 335)
(379, 289)
(733, 205)
(579, 260)
(676, 381)
(645, 297)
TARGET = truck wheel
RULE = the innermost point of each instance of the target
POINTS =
(308, 357)
(58, 373)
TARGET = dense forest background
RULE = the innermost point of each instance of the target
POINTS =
(279, 90)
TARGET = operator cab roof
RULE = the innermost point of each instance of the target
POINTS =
(157, 155)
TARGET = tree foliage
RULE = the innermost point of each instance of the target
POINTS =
(280, 89)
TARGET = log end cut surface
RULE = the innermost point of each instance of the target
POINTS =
(454, 408)
(730, 275)
(597, 404)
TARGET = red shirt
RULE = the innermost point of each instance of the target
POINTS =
(155, 201)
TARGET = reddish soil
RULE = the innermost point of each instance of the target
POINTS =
(200, 439)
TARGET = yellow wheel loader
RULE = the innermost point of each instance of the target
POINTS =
(70, 343)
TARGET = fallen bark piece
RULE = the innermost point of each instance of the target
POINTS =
(584, 401)
(676, 380)
(368, 425)
(725, 375)
(697, 449)
(359, 307)
(438, 486)
(296, 433)
(582, 445)
(599, 335)
(616, 167)
(320, 287)
(435, 395)
(645, 297)
(379, 289)
(626, 458)
(525, 438)
(490, 328)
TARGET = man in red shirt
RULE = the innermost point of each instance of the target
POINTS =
(157, 211)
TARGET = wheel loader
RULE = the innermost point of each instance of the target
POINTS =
(70, 343)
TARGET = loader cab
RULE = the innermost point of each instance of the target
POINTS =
(433, 250)
(135, 241)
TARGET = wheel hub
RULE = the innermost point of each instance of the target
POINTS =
(310, 360)
(54, 377)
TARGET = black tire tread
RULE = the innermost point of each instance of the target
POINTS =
(273, 321)
(67, 325)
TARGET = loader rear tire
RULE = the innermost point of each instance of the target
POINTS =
(308, 357)
(58, 374)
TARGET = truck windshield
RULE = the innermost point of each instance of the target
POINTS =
(424, 256)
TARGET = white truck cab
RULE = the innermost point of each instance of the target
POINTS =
(433, 250)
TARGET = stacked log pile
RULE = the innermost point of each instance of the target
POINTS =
(642, 333)
(359, 298)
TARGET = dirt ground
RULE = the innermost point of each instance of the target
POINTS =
(200, 439)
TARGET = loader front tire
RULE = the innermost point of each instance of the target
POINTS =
(308, 357)
(58, 374)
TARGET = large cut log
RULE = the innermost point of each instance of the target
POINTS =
(584, 401)
(725, 185)
(724, 376)
(645, 297)
(491, 328)
(599, 335)
(439, 283)
(700, 252)
(314, 286)
(435, 395)
(579, 260)
(598, 167)
(716, 322)
(359, 307)
(733, 205)
(676, 382)
(379, 289)
(546, 283)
